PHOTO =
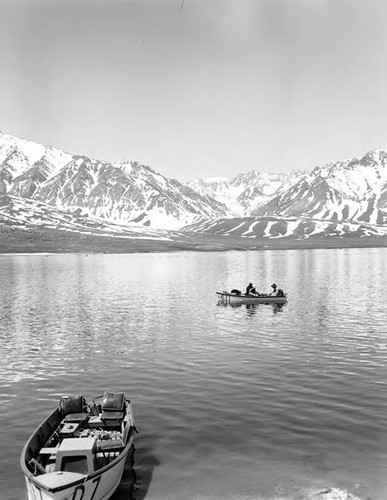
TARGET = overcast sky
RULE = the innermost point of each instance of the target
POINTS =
(199, 88)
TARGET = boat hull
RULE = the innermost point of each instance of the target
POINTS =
(229, 298)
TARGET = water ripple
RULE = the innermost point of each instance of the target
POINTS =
(258, 403)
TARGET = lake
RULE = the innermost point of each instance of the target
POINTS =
(264, 402)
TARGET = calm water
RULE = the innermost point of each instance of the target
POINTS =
(231, 402)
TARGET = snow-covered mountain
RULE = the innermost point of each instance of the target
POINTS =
(246, 191)
(44, 185)
(351, 190)
(339, 199)
(29, 162)
(121, 192)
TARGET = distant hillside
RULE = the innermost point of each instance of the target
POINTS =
(285, 227)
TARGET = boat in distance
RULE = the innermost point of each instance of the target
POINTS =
(79, 451)
(232, 298)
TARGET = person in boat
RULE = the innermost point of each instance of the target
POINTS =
(250, 290)
(277, 292)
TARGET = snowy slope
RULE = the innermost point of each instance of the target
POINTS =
(24, 213)
(121, 192)
(350, 190)
(284, 227)
(18, 155)
(244, 192)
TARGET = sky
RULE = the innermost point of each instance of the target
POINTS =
(197, 88)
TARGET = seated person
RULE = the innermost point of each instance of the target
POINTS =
(250, 290)
(278, 292)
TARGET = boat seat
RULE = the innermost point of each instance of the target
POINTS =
(113, 406)
(112, 415)
(48, 450)
(72, 404)
(80, 418)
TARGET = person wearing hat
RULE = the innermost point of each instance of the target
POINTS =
(278, 292)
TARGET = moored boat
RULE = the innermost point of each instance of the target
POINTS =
(233, 298)
(79, 450)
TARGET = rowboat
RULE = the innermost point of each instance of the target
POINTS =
(231, 298)
(79, 450)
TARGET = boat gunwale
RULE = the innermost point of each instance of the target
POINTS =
(253, 297)
(23, 462)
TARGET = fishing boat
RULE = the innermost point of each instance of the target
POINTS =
(79, 450)
(233, 298)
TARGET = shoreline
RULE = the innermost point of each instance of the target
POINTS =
(51, 242)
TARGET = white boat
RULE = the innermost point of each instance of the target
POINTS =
(79, 450)
(233, 298)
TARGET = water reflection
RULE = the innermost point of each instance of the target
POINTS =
(127, 487)
(137, 476)
(251, 309)
(145, 467)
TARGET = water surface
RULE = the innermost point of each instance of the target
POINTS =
(244, 402)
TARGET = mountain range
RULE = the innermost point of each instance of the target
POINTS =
(123, 192)
(42, 186)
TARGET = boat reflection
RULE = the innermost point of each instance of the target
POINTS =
(251, 309)
(126, 488)
(135, 484)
